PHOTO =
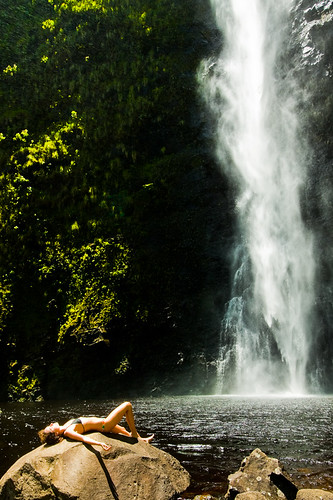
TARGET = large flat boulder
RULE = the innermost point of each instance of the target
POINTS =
(72, 470)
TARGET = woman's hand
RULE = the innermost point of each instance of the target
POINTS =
(85, 439)
(105, 446)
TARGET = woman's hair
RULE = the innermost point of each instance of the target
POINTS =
(49, 437)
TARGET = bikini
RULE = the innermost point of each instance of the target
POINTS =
(77, 421)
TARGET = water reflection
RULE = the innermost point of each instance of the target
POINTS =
(209, 435)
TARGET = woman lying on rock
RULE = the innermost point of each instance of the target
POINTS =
(76, 428)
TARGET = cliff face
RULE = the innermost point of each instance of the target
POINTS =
(313, 56)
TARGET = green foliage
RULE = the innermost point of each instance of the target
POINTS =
(5, 303)
(123, 367)
(24, 384)
(95, 273)
(96, 133)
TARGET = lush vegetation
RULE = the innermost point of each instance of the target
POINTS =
(102, 222)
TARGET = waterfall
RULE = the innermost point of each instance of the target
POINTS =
(265, 341)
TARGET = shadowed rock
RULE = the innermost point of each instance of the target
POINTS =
(285, 485)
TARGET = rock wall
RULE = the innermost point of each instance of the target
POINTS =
(311, 50)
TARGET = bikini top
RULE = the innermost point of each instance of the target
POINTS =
(76, 421)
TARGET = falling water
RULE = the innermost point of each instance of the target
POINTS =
(265, 336)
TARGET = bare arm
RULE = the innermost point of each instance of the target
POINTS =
(85, 439)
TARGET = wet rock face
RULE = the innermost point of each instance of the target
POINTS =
(311, 52)
(315, 33)
(72, 470)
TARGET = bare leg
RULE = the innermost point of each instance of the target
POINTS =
(123, 410)
(117, 429)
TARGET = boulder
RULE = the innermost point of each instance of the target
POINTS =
(204, 497)
(255, 476)
(309, 494)
(251, 495)
(71, 470)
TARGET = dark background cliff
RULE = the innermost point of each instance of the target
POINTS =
(311, 49)
(116, 222)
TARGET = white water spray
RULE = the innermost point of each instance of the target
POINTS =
(265, 337)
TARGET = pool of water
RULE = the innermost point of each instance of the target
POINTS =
(209, 435)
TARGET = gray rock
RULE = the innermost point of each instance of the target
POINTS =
(254, 475)
(309, 494)
(75, 471)
(251, 495)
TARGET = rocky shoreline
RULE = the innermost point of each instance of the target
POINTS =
(138, 471)
(261, 478)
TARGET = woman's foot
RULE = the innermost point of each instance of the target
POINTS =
(147, 439)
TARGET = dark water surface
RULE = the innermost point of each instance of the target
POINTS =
(209, 435)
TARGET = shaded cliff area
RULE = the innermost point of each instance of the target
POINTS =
(115, 222)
